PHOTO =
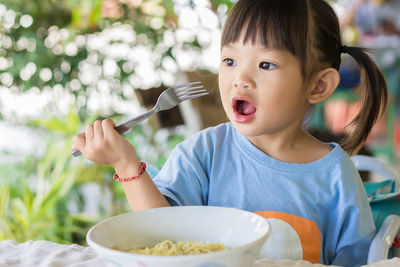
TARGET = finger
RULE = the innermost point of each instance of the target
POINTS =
(98, 130)
(108, 128)
(79, 142)
(89, 134)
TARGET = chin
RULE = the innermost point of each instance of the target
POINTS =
(245, 129)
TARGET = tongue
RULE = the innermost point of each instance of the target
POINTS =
(246, 108)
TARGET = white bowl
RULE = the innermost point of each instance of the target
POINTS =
(242, 232)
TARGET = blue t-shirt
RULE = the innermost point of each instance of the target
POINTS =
(318, 211)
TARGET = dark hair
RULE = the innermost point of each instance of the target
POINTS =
(309, 29)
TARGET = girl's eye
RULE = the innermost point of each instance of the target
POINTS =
(267, 65)
(229, 62)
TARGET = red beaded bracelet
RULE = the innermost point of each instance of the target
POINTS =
(142, 169)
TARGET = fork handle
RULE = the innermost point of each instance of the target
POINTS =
(76, 153)
(123, 127)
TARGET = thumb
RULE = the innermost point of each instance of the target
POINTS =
(79, 141)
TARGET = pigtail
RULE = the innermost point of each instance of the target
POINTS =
(374, 98)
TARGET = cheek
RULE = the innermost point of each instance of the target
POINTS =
(223, 84)
(281, 97)
(225, 99)
(286, 86)
(223, 76)
(224, 89)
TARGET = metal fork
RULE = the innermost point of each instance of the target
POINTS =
(168, 99)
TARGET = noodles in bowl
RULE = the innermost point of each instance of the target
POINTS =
(172, 248)
(242, 234)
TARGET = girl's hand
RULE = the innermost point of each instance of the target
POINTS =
(101, 143)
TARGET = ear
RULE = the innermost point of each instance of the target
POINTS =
(324, 84)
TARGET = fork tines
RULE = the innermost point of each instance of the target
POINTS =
(185, 93)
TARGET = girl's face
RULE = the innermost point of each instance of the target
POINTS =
(262, 90)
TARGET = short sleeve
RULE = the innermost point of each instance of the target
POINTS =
(352, 227)
(183, 179)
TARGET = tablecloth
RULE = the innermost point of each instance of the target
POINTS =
(49, 254)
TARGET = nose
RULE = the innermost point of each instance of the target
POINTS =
(244, 79)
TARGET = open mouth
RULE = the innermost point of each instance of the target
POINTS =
(244, 111)
(244, 108)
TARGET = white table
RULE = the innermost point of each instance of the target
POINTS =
(50, 254)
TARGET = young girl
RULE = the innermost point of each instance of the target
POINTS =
(278, 58)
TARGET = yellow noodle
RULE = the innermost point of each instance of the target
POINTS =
(172, 248)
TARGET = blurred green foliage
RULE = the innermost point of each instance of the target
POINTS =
(37, 193)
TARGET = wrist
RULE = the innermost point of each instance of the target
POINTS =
(142, 169)
(127, 168)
